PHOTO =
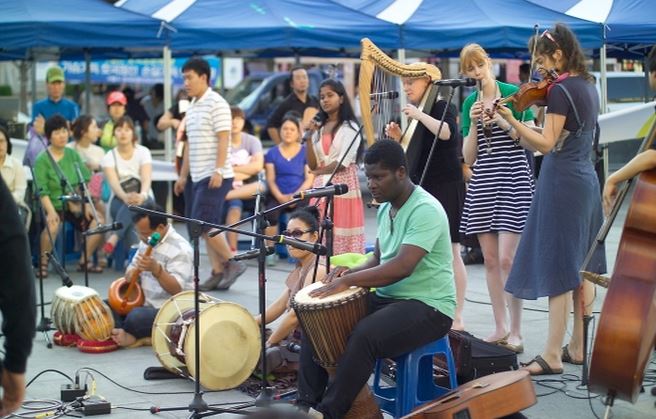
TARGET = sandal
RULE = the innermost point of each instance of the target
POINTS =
(567, 357)
(91, 268)
(545, 368)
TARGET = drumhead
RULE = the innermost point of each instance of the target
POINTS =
(303, 296)
(75, 293)
(230, 346)
(229, 341)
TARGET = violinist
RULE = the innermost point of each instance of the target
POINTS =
(643, 161)
(500, 191)
(566, 212)
(164, 273)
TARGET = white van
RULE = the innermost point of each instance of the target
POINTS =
(625, 89)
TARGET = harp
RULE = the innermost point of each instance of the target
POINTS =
(379, 73)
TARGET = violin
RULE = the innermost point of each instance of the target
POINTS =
(529, 94)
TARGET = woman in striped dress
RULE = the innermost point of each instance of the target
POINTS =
(329, 144)
(500, 191)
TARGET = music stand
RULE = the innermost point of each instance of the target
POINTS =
(198, 406)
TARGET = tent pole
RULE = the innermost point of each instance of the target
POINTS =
(168, 138)
(603, 85)
(87, 80)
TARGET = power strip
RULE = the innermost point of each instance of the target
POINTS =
(70, 392)
(95, 405)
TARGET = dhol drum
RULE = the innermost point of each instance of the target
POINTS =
(229, 340)
(328, 323)
(79, 310)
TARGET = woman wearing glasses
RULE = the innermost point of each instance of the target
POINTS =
(566, 211)
(500, 190)
(303, 225)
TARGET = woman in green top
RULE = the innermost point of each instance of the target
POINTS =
(50, 191)
(500, 191)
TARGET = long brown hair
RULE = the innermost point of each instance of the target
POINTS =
(562, 38)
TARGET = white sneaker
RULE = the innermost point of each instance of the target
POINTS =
(315, 413)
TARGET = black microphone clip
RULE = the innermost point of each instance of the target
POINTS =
(316, 248)
(252, 254)
(104, 228)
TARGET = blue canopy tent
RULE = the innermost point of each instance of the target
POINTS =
(227, 25)
(73, 24)
(495, 24)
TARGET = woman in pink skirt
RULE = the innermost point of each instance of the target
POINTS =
(330, 143)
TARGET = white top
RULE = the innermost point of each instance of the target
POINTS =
(175, 255)
(13, 174)
(205, 118)
(342, 140)
(91, 155)
(127, 168)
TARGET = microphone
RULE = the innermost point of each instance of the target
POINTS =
(317, 120)
(252, 254)
(315, 248)
(103, 228)
(66, 280)
(73, 198)
(392, 94)
(456, 82)
(330, 190)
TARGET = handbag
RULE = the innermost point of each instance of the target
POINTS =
(129, 185)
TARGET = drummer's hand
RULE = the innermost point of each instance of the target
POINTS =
(147, 263)
(337, 272)
(336, 286)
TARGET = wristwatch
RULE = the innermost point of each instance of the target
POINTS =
(219, 170)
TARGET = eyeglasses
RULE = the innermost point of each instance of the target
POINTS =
(297, 234)
(550, 37)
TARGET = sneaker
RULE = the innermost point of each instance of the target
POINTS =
(233, 269)
(211, 282)
(272, 259)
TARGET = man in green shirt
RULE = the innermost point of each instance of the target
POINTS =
(411, 269)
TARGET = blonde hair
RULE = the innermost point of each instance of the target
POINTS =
(472, 53)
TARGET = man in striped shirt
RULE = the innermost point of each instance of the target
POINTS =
(207, 158)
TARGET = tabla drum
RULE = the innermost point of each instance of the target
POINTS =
(229, 340)
(328, 322)
(80, 311)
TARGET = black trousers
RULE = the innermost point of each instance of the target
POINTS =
(392, 327)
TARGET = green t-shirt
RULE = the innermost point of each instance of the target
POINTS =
(506, 90)
(47, 179)
(420, 222)
(107, 139)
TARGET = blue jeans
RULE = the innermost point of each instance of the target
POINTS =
(138, 322)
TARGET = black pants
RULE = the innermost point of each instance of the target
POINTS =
(392, 328)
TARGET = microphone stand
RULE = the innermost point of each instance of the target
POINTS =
(198, 406)
(86, 199)
(437, 134)
(45, 322)
(327, 224)
(63, 181)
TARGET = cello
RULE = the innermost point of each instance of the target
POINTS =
(627, 324)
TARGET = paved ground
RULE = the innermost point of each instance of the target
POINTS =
(559, 397)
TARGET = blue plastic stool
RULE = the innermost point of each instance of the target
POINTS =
(414, 379)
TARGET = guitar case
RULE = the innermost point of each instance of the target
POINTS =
(476, 358)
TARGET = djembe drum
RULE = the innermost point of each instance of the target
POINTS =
(328, 323)
(79, 311)
(229, 336)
